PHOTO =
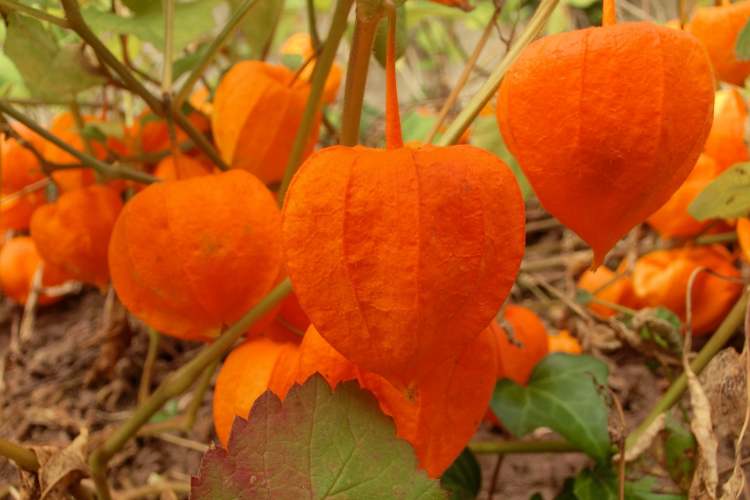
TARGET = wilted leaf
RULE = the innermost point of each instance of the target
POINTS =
(463, 479)
(51, 72)
(562, 395)
(726, 197)
(318, 443)
(486, 135)
(742, 46)
(192, 21)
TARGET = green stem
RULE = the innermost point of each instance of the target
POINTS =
(356, 78)
(214, 47)
(166, 76)
(144, 388)
(106, 170)
(23, 457)
(177, 383)
(36, 13)
(77, 24)
(488, 90)
(710, 239)
(313, 25)
(191, 414)
(722, 335)
(522, 446)
(317, 84)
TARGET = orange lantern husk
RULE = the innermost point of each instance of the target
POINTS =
(523, 347)
(19, 262)
(564, 342)
(660, 279)
(190, 256)
(607, 286)
(726, 141)
(604, 152)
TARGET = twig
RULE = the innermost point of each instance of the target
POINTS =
(495, 476)
(37, 13)
(464, 77)
(109, 171)
(722, 335)
(313, 25)
(522, 447)
(166, 75)
(174, 385)
(482, 97)
(317, 84)
(213, 48)
(144, 388)
(23, 457)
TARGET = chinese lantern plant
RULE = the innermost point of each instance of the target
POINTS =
(419, 249)
(597, 159)
(19, 263)
(189, 257)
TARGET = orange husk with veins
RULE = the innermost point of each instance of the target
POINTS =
(454, 397)
(73, 232)
(257, 110)
(401, 256)
(611, 150)
(191, 256)
(726, 140)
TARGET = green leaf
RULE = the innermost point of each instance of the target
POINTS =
(317, 444)
(258, 28)
(192, 21)
(742, 46)
(187, 62)
(601, 483)
(562, 395)
(486, 135)
(50, 72)
(679, 452)
(415, 125)
(463, 479)
(381, 36)
(727, 196)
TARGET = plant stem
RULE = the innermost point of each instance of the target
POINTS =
(722, 335)
(480, 99)
(105, 169)
(77, 24)
(213, 48)
(356, 78)
(23, 457)
(312, 24)
(36, 13)
(177, 383)
(317, 84)
(144, 388)
(710, 239)
(468, 68)
(393, 138)
(166, 75)
(522, 446)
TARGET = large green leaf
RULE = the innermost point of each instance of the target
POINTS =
(486, 135)
(192, 21)
(317, 444)
(381, 37)
(726, 197)
(463, 479)
(50, 72)
(563, 394)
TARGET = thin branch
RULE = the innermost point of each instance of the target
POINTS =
(216, 45)
(166, 76)
(109, 171)
(33, 12)
(313, 25)
(522, 446)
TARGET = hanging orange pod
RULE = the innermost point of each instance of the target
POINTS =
(20, 169)
(672, 220)
(608, 287)
(19, 262)
(244, 376)
(717, 27)
(743, 236)
(602, 150)
(453, 397)
(726, 141)
(525, 346)
(73, 232)
(254, 125)
(660, 279)
(191, 256)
